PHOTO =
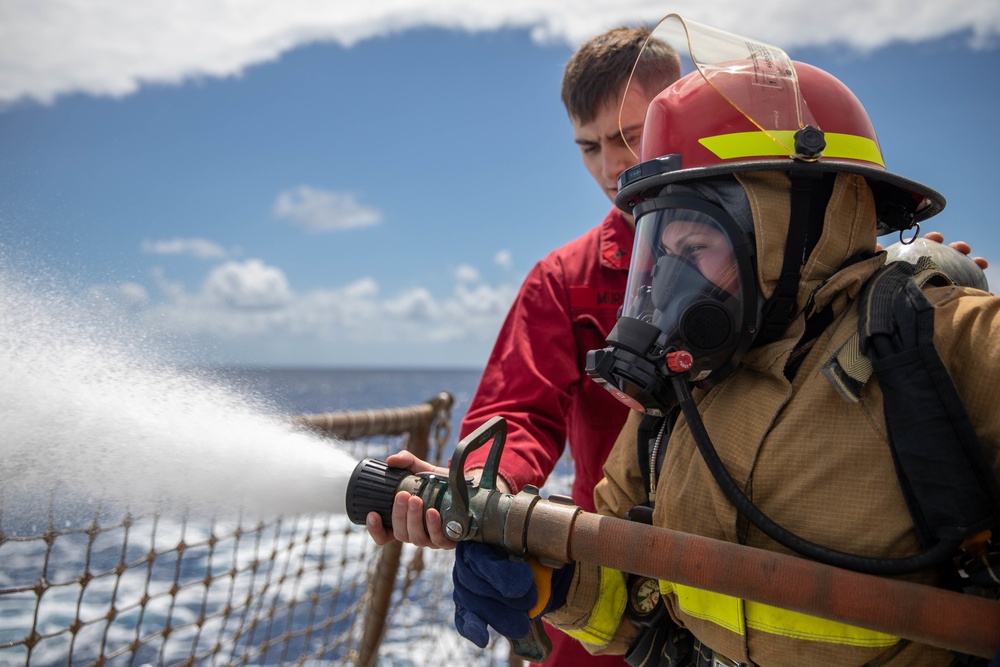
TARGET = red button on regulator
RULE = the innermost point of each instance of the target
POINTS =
(680, 361)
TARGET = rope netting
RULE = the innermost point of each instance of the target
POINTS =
(101, 586)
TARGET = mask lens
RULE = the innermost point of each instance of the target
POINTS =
(690, 303)
(685, 281)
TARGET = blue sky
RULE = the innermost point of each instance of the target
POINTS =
(305, 184)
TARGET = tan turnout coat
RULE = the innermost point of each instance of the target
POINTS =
(815, 463)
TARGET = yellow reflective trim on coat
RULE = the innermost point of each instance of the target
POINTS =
(737, 615)
(778, 143)
(607, 612)
(708, 606)
(802, 626)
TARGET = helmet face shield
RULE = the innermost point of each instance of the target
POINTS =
(757, 79)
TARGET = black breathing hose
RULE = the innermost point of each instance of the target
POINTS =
(929, 558)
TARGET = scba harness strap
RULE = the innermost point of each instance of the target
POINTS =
(949, 486)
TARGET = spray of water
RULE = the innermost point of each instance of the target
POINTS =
(87, 413)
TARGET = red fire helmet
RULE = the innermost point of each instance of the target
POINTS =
(759, 115)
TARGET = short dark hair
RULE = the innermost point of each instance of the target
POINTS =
(596, 74)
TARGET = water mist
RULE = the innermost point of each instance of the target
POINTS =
(87, 413)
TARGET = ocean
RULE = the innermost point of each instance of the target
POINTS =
(315, 390)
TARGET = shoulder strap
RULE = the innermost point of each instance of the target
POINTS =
(850, 368)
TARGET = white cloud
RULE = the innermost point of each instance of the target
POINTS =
(50, 48)
(250, 303)
(503, 258)
(322, 211)
(362, 289)
(195, 247)
(484, 301)
(414, 305)
(466, 273)
(171, 290)
(249, 284)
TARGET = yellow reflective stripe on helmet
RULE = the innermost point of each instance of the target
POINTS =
(607, 611)
(778, 143)
(737, 615)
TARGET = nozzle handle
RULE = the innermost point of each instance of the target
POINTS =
(457, 514)
(374, 484)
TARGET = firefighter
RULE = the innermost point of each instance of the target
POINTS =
(758, 202)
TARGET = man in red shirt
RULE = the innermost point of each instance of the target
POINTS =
(566, 307)
(569, 302)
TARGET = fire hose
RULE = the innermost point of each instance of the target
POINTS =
(557, 532)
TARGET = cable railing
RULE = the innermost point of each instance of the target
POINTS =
(103, 586)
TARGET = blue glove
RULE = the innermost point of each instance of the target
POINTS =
(492, 590)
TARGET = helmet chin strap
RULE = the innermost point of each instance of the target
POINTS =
(931, 557)
(810, 194)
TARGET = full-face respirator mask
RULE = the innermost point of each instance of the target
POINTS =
(690, 306)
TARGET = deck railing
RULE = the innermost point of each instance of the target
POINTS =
(106, 587)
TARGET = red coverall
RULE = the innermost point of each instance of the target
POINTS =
(535, 378)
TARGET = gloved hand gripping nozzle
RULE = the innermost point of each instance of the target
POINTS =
(481, 513)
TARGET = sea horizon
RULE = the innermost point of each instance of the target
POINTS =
(319, 389)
